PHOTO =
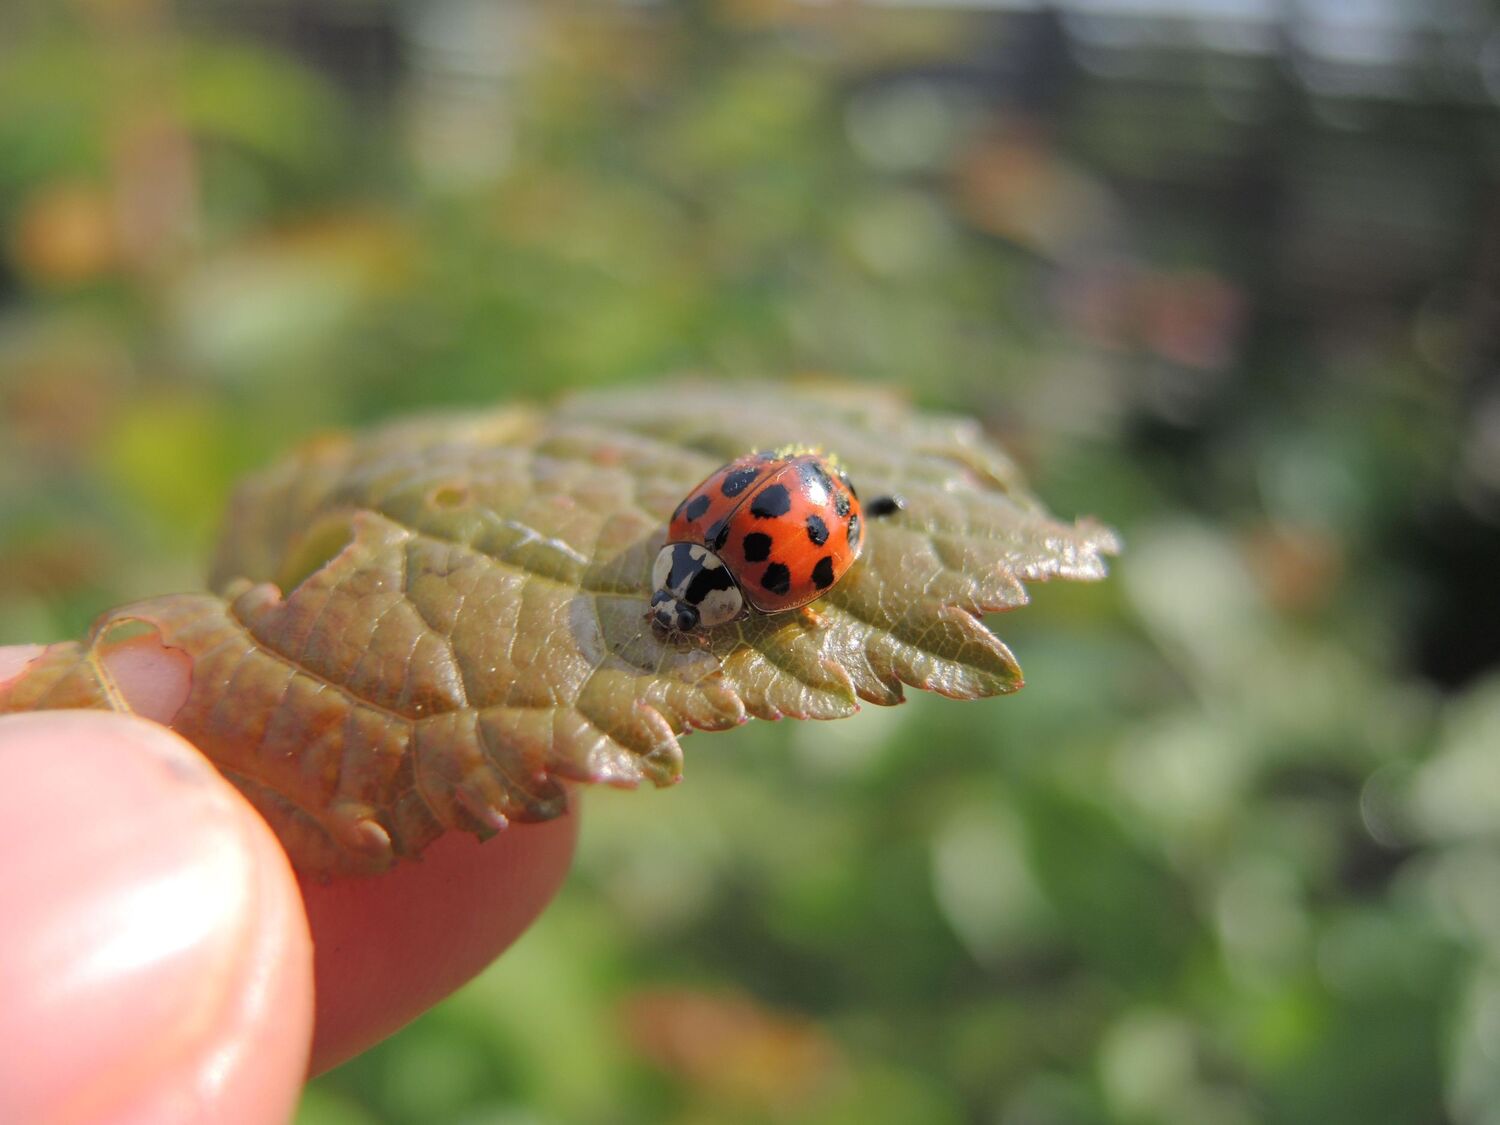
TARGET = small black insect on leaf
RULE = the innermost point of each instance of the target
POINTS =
(882, 506)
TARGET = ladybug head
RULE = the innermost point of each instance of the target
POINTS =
(693, 590)
(672, 616)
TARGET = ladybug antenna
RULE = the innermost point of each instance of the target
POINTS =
(882, 506)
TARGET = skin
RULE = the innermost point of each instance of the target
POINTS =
(159, 954)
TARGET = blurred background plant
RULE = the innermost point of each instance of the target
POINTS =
(1223, 272)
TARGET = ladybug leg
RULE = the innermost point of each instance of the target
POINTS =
(811, 618)
(882, 506)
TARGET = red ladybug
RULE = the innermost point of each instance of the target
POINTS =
(768, 532)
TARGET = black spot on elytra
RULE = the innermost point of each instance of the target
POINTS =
(841, 504)
(677, 511)
(705, 582)
(813, 477)
(855, 531)
(817, 530)
(717, 534)
(696, 507)
(757, 546)
(777, 578)
(737, 481)
(771, 502)
(822, 574)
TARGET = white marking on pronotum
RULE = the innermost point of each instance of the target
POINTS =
(532, 535)
(662, 568)
(721, 606)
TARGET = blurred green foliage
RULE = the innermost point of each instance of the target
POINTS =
(1232, 854)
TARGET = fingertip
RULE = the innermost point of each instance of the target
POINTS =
(387, 947)
(155, 962)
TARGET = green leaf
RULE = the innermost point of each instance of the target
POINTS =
(437, 624)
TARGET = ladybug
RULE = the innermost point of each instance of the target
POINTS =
(768, 532)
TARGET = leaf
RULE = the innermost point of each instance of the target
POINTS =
(437, 624)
